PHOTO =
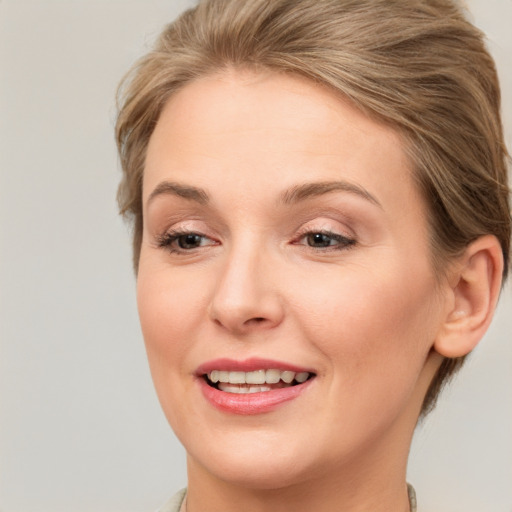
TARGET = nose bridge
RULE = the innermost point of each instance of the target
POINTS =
(246, 296)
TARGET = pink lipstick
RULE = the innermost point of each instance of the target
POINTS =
(252, 386)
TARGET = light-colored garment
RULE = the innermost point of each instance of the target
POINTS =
(177, 502)
(412, 498)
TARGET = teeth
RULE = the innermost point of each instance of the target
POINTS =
(287, 377)
(237, 377)
(272, 376)
(234, 388)
(259, 389)
(257, 377)
(301, 377)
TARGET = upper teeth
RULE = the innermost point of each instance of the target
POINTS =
(257, 377)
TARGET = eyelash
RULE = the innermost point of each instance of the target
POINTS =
(342, 242)
(171, 238)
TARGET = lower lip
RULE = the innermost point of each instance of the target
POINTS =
(251, 403)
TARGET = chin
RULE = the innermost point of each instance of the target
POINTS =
(267, 474)
(263, 460)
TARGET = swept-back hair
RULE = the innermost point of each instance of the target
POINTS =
(417, 65)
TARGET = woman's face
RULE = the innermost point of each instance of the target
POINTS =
(283, 231)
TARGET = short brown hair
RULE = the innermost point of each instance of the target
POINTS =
(417, 65)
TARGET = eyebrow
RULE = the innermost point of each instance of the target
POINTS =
(309, 190)
(291, 196)
(185, 191)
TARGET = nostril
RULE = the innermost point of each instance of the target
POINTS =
(255, 321)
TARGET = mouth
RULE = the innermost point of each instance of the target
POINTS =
(252, 386)
(256, 381)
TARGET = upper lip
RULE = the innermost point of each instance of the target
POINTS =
(248, 365)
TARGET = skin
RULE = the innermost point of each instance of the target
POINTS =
(365, 316)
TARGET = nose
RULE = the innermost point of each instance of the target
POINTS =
(246, 296)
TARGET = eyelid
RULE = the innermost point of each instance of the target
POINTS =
(166, 218)
(168, 240)
(344, 239)
(326, 225)
(167, 235)
(182, 226)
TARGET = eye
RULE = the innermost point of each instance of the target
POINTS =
(320, 240)
(184, 241)
(325, 240)
(189, 241)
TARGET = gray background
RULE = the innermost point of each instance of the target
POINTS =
(80, 426)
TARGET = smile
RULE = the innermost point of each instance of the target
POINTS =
(256, 381)
(252, 386)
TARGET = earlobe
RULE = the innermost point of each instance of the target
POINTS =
(474, 295)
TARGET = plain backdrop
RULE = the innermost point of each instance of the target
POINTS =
(80, 426)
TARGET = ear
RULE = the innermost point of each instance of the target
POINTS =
(474, 291)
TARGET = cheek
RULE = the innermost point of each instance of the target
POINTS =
(171, 306)
(170, 309)
(371, 324)
(375, 336)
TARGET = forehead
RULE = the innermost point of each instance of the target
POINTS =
(249, 128)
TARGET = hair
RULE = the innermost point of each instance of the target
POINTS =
(417, 65)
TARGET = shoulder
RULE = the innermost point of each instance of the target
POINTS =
(174, 504)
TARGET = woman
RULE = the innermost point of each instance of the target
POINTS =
(321, 231)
